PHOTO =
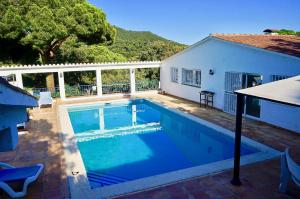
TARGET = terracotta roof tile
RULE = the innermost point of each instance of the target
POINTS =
(287, 44)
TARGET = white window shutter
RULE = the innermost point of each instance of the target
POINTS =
(233, 82)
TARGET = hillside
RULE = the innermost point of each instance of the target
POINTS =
(123, 34)
(143, 45)
(128, 46)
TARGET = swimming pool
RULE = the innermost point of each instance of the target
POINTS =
(131, 141)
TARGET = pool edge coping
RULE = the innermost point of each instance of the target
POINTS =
(77, 178)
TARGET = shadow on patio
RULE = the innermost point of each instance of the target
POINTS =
(41, 144)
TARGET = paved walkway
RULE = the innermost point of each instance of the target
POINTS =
(260, 180)
(41, 144)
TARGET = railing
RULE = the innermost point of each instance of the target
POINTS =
(116, 88)
(80, 90)
(36, 91)
(91, 90)
(146, 85)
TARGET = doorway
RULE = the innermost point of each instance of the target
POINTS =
(235, 81)
(252, 104)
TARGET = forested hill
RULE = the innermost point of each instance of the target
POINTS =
(143, 45)
(128, 46)
(123, 34)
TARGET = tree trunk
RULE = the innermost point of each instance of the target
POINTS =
(48, 57)
(50, 81)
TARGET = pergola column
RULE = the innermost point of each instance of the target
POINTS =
(19, 80)
(61, 82)
(237, 143)
(132, 80)
(99, 82)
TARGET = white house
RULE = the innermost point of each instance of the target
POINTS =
(13, 104)
(222, 63)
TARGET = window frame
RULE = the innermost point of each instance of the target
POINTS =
(193, 82)
(275, 78)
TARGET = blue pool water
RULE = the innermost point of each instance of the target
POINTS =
(127, 141)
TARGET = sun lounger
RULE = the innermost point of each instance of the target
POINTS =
(18, 174)
(45, 99)
(289, 170)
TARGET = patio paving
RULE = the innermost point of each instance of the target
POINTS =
(260, 180)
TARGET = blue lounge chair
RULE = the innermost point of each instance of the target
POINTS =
(14, 174)
(289, 170)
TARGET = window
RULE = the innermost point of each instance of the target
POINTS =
(174, 74)
(279, 77)
(198, 78)
(191, 77)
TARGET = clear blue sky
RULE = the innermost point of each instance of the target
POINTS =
(188, 21)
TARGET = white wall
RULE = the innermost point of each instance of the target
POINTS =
(223, 56)
(13, 106)
(9, 118)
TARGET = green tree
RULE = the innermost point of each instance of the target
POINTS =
(46, 24)
(73, 51)
(159, 50)
(288, 32)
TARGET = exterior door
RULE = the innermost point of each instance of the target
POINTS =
(252, 105)
(235, 81)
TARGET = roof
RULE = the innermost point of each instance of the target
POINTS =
(287, 44)
(5, 83)
(7, 70)
(16, 89)
(285, 91)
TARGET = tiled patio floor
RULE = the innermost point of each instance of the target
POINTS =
(42, 144)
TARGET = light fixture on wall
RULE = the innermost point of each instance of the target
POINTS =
(211, 71)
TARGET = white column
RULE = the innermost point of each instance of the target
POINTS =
(19, 80)
(61, 82)
(99, 82)
(132, 80)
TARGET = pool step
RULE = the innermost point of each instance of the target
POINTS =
(101, 180)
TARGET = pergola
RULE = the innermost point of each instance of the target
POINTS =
(285, 91)
(60, 69)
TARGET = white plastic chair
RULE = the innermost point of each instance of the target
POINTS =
(45, 99)
(289, 170)
(15, 174)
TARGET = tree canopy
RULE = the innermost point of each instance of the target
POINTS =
(72, 51)
(74, 31)
(44, 25)
(288, 32)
